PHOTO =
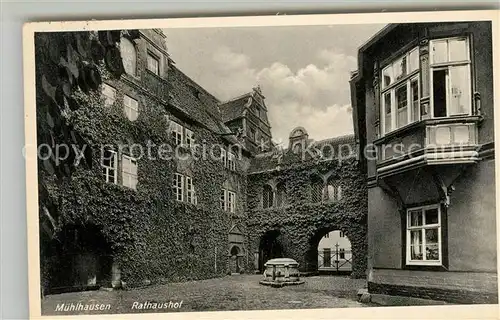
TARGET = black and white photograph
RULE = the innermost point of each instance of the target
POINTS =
(179, 168)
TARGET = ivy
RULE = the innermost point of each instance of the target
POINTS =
(302, 223)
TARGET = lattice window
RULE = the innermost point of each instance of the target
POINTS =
(280, 194)
(178, 186)
(316, 189)
(267, 196)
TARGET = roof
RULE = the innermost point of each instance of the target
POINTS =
(233, 109)
(198, 104)
(271, 160)
(195, 102)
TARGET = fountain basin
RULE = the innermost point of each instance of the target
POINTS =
(281, 272)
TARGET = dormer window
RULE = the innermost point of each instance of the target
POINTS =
(153, 64)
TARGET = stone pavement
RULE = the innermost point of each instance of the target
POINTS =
(238, 292)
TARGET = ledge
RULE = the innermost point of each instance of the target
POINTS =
(424, 123)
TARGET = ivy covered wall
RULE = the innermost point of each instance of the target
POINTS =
(151, 237)
(300, 222)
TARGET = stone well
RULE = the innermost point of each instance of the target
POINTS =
(281, 272)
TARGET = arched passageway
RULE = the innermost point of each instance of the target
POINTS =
(81, 260)
(330, 252)
(270, 247)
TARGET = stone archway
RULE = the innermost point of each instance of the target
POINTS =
(270, 247)
(81, 260)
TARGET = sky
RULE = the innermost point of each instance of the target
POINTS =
(303, 71)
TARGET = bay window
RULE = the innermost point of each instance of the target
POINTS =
(400, 92)
(450, 77)
(423, 236)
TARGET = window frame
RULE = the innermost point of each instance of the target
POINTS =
(130, 175)
(178, 189)
(424, 226)
(128, 109)
(114, 168)
(406, 80)
(231, 161)
(107, 98)
(228, 200)
(190, 191)
(448, 65)
(152, 57)
(177, 132)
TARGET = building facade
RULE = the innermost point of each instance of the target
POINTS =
(423, 115)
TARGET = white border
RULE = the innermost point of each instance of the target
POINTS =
(431, 312)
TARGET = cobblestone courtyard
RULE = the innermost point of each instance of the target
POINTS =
(240, 292)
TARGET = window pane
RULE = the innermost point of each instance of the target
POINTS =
(460, 95)
(439, 51)
(402, 105)
(458, 49)
(387, 76)
(416, 245)
(439, 92)
(414, 60)
(432, 252)
(415, 218)
(399, 68)
(387, 112)
(415, 116)
(431, 216)
(431, 236)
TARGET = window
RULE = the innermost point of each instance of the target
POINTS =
(109, 166)
(327, 257)
(190, 193)
(184, 189)
(131, 108)
(316, 189)
(129, 172)
(327, 235)
(341, 253)
(177, 132)
(341, 234)
(400, 86)
(280, 195)
(178, 186)
(332, 191)
(228, 200)
(181, 135)
(223, 200)
(450, 77)
(189, 138)
(231, 161)
(129, 56)
(267, 196)
(231, 201)
(423, 235)
(109, 94)
(153, 64)
(223, 156)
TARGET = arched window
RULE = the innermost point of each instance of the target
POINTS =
(280, 194)
(332, 191)
(267, 196)
(129, 56)
(316, 188)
